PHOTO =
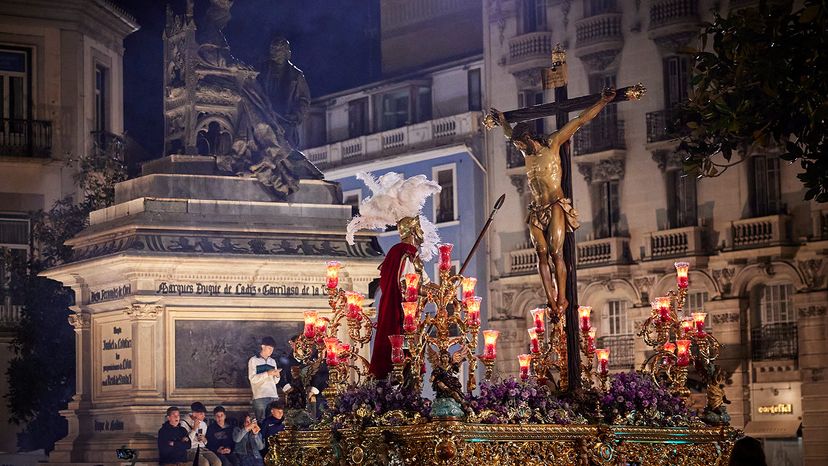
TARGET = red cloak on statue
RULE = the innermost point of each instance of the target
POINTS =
(389, 313)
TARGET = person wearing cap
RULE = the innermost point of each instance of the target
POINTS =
(197, 432)
(263, 375)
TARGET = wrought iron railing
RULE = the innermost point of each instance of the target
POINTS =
(598, 136)
(774, 342)
(25, 138)
(622, 351)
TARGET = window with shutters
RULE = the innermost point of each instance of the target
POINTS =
(676, 80)
(358, 117)
(682, 203)
(14, 253)
(446, 200)
(534, 15)
(774, 333)
(101, 116)
(765, 186)
(617, 336)
(475, 90)
(608, 209)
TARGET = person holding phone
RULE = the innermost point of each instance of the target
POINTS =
(263, 375)
(197, 432)
(249, 441)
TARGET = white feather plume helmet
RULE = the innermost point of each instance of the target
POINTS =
(394, 197)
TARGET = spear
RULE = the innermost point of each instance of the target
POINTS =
(497, 206)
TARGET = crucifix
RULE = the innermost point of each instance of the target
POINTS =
(551, 219)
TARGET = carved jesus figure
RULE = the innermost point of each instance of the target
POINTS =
(550, 213)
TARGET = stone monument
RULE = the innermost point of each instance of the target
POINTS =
(178, 281)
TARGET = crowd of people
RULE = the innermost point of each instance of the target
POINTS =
(185, 440)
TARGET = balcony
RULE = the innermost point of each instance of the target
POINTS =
(774, 342)
(431, 133)
(622, 351)
(772, 230)
(523, 261)
(601, 252)
(659, 126)
(529, 51)
(599, 136)
(677, 242)
(25, 138)
(10, 314)
(599, 32)
(674, 21)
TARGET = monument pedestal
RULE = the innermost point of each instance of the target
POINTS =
(175, 286)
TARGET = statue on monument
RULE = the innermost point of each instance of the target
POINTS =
(286, 88)
(250, 124)
(550, 213)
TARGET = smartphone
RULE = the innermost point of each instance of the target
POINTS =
(199, 431)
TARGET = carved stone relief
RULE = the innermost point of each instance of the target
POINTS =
(724, 278)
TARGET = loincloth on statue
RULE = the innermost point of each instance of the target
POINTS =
(540, 216)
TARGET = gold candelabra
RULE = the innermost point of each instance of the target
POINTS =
(679, 340)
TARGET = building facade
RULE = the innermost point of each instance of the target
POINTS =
(61, 65)
(756, 248)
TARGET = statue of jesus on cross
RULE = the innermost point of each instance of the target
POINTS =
(550, 213)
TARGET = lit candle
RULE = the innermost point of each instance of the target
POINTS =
(698, 319)
(397, 355)
(537, 315)
(583, 315)
(669, 347)
(490, 344)
(412, 283)
(473, 310)
(662, 306)
(333, 274)
(603, 360)
(332, 351)
(445, 256)
(534, 344)
(524, 360)
(683, 349)
(468, 285)
(410, 316)
(681, 274)
(310, 324)
(591, 340)
(321, 328)
(686, 326)
(354, 301)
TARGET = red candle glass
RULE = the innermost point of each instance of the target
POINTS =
(591, 340)
(310, 324)
(473, 310)
(686, 327)
(410, 316)
(445, 256)
(490, 344)
(537, 315)
(412, 284)
(468, 285)
(397, 355)
(534, 343)
(354, 302)
(698, 319)
(683, 352)
(583, 317)
(682, 280)
(332, 351)
(670, 348)
(524, 360)
(333, 274)
(662, 306)
(321, 326)
(603, 360)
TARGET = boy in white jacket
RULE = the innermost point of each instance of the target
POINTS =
(263, 375)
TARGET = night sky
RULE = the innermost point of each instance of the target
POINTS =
(335, 42)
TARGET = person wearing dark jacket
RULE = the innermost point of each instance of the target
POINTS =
(173, 441)
(274, 423)
(220, 437)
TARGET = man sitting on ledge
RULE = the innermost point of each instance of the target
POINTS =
(173, 441)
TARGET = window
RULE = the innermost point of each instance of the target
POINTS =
(776, 304)
(604, 126)
(676, 80)
(423, 104)
(765, 188)
(474, 89)
(681, 204)
(352, 198)
(534, 15)
(358, 117)
(101, 98)
(394, 110)
(403, 107)
(608, 211)
(598, 7)
(14, 84)
(695, 303)
(14, 252)
(527, 99)
(617, 323)
(617, 334)
(445, 201)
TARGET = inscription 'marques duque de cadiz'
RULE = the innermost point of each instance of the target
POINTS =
(237, 289)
